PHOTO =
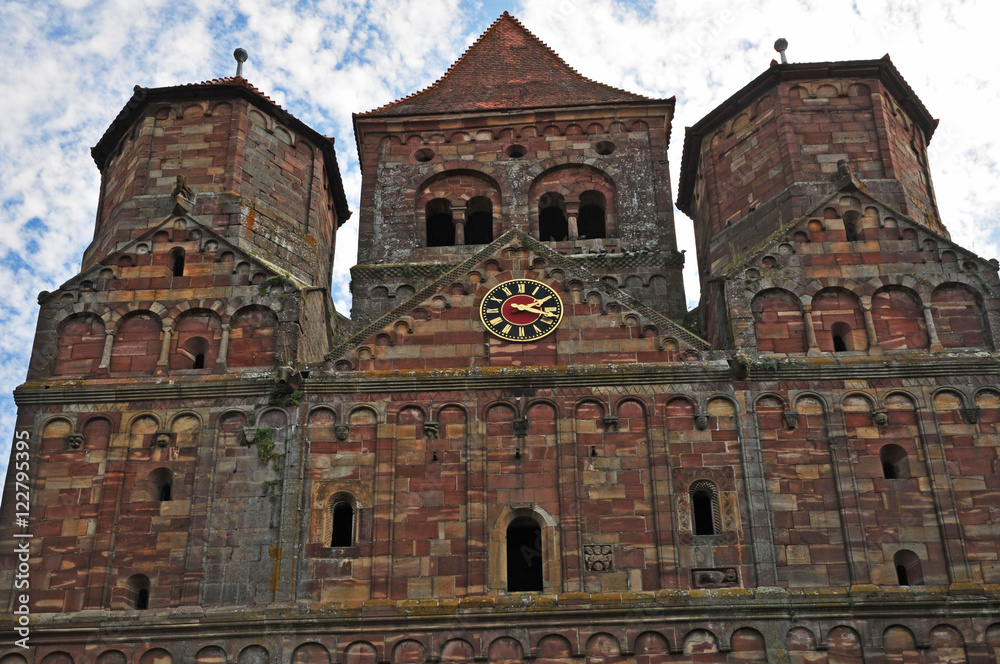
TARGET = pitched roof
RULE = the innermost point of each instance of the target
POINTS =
(234, 86)
(506, 68)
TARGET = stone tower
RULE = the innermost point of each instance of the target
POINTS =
(514, 453)
(512, 138)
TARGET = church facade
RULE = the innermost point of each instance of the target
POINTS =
(521, 446)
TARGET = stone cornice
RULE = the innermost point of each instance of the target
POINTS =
(680, 373)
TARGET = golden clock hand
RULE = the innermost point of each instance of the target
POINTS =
(538, 303)
(530, 309)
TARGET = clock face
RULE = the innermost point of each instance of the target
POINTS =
(521, 310)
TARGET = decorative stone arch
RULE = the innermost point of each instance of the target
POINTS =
(458, 184)
(252, 337)
(782, 402)
(552, 646)
(910, 397)
(81, 339)
(602, 646)
(195, 339)
(408, 650)
(779, 326)
(895, 310)
(566, 186)
(700, 641)
(839, 319)
(959, 314)
(823, 401)
(457, 651)
(550, 554)
(856, 394)
(362, 652)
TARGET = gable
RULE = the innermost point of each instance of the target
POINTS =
(506, 68)
(440, 327)
(852, 235)
(147, 262)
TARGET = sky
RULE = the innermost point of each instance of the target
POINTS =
(67, 68)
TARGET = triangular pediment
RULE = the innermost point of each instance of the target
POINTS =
(877, 228)
(439, 327)
(506, 68)
(144, 243)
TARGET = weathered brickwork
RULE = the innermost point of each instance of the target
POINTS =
(224, 470)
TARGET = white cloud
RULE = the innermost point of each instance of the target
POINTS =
(70, 66)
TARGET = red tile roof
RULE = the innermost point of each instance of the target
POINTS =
(506, 68)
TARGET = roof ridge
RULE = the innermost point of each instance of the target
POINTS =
(506, 16)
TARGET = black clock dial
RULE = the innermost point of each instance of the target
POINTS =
(521, 310)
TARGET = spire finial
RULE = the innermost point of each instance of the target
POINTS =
(241, 57)
(781, 46)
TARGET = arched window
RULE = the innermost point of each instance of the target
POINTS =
(851, 225)
(479, 221)
(137, 592)
(591, 222)
(552, 224)
(841, 337)
(161, 485)
(341, 521)
(524, 556)
(195, 349)
(908, 571)
(895, 465)
(705, 508)
(177, 256)
(440, 226)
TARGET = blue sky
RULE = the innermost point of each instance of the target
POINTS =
(68, 67)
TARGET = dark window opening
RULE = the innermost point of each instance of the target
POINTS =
(524, 556)
(907, 566)
(851, 225)
(841, 333)
(591, 221)
(161, 485)
(703, 512)
(552, 224)
(142, 599)
(440, 226)
(479, 221)
(851, 231)
(178, 265)
(196, 350)
(894, 462)
(342, 531)
(901, 576)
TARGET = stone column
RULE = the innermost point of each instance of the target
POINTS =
(574, 232)
(109, 341)
(810, 330)
(932, 334)
(458, 215)
(223, 345)
(165, 347)
(873, 347)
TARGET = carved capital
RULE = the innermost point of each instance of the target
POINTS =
(521, 426)
(599, 557)
(971, 414)
(75, 441)
(611, 423)
(342, 431)
(880, 417)
(162, 438)
(432, 429)
(791, 418)
(701, 421)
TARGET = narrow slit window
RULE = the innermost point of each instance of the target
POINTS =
(552, 223)
(178, 262)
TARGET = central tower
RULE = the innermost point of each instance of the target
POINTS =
(511, 137)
